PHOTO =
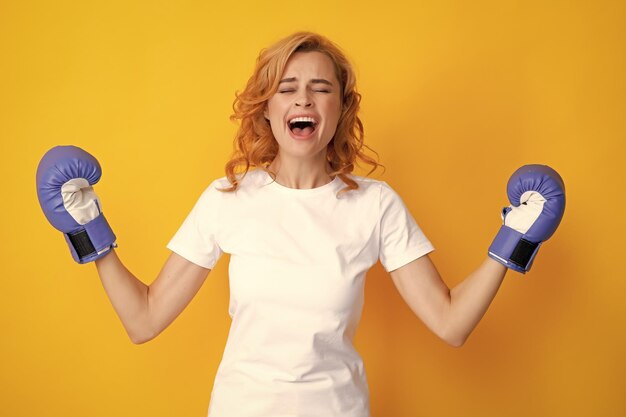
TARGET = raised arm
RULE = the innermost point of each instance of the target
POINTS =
(65, 179)
(450, 314)
(537, 196)
(145, 311)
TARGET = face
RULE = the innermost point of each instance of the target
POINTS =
(309, 90)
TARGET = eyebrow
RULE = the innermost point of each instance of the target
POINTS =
(313, 81)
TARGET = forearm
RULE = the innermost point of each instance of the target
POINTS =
(470, 299)
(128, 295)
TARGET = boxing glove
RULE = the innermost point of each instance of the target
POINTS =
(537, 196)
(65, 177)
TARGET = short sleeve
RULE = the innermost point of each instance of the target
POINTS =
(401, 239)
(196, 239)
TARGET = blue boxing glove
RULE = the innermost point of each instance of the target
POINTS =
(537, 196)
(65, 176)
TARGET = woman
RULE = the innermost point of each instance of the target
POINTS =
(302, 231)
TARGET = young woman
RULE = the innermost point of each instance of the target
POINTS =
(301, 231)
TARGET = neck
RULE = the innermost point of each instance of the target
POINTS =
(299, 173)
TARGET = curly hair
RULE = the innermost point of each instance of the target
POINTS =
(254, 143)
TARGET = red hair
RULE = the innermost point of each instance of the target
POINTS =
(254, 143)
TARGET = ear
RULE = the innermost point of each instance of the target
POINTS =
(266, 113)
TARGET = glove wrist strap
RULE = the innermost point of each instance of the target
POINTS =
(92, 241)
(511, 249)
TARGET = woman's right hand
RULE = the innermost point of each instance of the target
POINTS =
(65, 177)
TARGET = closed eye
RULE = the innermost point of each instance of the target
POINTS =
(317, 91)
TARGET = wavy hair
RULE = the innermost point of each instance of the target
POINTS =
(254, 143)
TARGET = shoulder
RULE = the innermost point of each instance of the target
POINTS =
(251, 180)
(388, 198)
(372, 185)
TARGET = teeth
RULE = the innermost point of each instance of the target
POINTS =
(303, 119)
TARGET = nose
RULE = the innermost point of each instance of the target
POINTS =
(303, 100)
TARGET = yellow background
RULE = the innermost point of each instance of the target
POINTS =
(456, 96)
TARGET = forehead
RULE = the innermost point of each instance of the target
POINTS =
(310, 65)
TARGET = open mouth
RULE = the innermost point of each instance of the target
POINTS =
(302, 126)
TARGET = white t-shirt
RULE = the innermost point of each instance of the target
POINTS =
(298, 259)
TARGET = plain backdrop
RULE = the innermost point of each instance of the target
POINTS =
(456, 96)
